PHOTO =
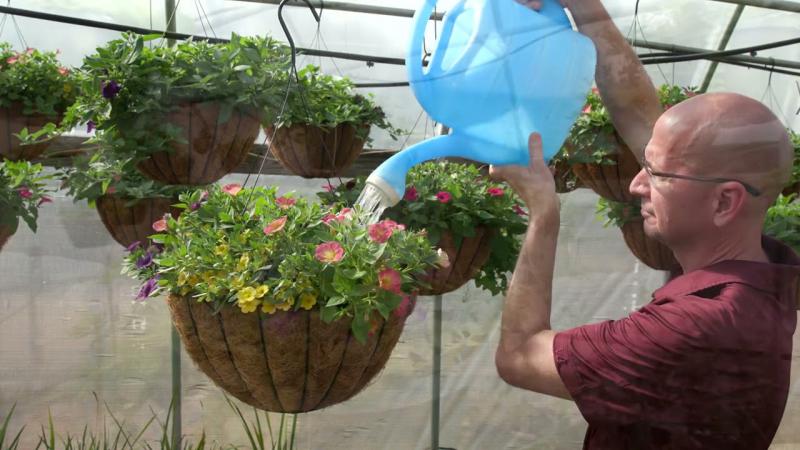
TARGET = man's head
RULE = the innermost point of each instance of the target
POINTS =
(731, 156)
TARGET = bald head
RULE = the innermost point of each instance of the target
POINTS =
(732, 136)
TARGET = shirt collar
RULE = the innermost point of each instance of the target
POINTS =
(775, 277)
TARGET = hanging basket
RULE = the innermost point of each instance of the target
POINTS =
(565, 178)
(12, 121)
(648, 250)
(610, 181)
(466, 261)
(129, 224)
(792, 189)
(5, 233)
(212, 149)
(313, 152)
(287, 362)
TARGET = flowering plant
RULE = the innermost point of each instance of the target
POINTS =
(326, 101)
(35, 80)
(783, 221)
(617, 213)
(451, 197)
(261, 251)
(98, 174)
(127, 88)
(22, 190)
(591, 138)
(795, 138)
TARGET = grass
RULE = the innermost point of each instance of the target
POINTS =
(259, 431)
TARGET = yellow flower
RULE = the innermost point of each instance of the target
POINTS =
(67, 88)
(185, 290)
(221, 250)
(285, 306)
(246, 295)
(193, 279)
(243, 263)
(237, 283)
(248, 307)
(262, 291)
(268, 308)
(208, 277)
(244, 236)
(307, 300)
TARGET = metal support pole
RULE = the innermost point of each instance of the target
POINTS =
(175, 343)
(351, 7)
(437, 370)
(726, 37)
(780, 5)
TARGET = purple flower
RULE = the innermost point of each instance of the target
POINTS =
(147, 288)
(111, 89)
(90, 126)
(134, 246)
(156, 248)
(194, 206)
(144, 261)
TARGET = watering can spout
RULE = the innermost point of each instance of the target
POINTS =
(390, 177)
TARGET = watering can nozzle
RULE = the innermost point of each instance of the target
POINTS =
(389, 196)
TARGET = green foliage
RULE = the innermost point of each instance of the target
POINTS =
(35, 80)
(617, 213)
(471, 204)
(92, 176)
(22, 190)
(128, 87)
(783, 221)
(326, 101)
(592, 137)
(252, 249)
(795, 138)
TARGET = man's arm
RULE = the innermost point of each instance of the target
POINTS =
(524, 356)
(625, 87)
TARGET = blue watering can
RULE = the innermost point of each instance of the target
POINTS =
(498, 72)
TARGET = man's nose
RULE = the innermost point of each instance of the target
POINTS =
(640, 185)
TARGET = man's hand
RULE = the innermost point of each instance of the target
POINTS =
(537, 4)
(534, 184)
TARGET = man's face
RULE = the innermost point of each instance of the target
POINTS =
(672, 209)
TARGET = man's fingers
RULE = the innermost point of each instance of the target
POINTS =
(535, 148)
(533, 4)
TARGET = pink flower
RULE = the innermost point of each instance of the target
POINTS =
(285, 202)
(394, 225)
(29, 50)
(495, 191)
(111, 190)
(232, 189)
(390, 280)
(380, 232)
(410, 194)
(275, 226)
(328, 187)
(44, 200)
(329, 218)
(24, 192)
(329, 252)
(12, 59)
(63, 71)
(689, 93)
(160, 225)
(519, 211)
(587, 109)
(595, 91)
(444, 197)
(345, 213)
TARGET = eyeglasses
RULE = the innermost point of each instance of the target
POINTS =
(749, 188)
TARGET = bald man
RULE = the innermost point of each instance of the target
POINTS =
(704, 365)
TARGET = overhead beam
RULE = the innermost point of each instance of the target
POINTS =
(723, 43)
(779, 5)
(760, 60)
(351, 7)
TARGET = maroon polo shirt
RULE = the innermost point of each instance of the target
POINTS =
(705, 365)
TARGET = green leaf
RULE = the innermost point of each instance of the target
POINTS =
(360, 328)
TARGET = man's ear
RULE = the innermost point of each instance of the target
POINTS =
(728, 202)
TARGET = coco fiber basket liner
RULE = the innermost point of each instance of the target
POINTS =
(287, 362)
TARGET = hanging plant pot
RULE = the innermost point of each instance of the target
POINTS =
(12, 121)
(792, 189)
(612, 180)
(211, 149)
(313, 152)
(466, 261)
(128, 224)
(5, 233)
(288, 362)
(648, 250)
(565, 178)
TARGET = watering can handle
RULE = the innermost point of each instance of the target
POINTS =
(414, 56)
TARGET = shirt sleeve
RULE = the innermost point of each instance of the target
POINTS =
(634, 369)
